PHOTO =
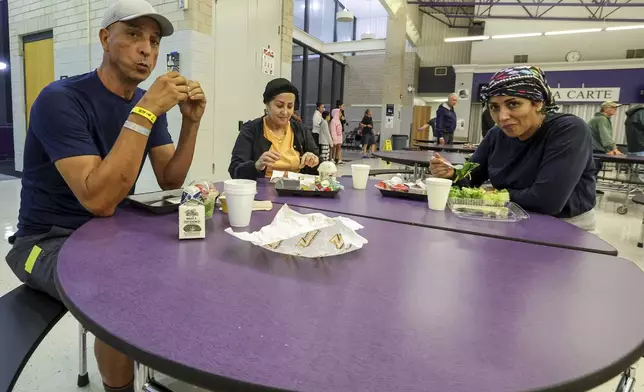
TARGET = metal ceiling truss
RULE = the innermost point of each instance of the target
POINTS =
(462, 14)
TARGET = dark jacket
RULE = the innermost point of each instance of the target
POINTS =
(487, 122)
(251, 144)
(635, 129)
(445, 120)
(551, 173)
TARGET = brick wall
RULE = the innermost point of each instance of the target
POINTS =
(363, 78)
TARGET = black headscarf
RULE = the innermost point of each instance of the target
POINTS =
(280, 86)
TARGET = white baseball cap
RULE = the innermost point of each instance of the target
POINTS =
(125, 10)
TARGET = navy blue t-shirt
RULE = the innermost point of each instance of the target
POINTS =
(71, 117)
(551, 173)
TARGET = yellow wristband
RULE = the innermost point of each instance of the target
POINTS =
(145, 113)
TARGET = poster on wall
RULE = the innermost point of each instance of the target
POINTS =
(463, 94)
(268, 62)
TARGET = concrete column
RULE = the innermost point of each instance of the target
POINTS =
(393, 88)
(287, 38)
(464, 80)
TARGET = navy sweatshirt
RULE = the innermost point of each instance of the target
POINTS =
(551, 173)
(445, 120)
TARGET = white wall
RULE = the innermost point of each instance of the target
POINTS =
(592, 46)
(434, 51)
(242, 28)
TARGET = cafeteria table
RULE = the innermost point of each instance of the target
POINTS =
(630, 161)
(417, 159)
(434, 141)
(538, 229)
(444, 147)
(459, 313)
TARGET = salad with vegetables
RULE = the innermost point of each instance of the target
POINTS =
(465, 171)
(497, 196)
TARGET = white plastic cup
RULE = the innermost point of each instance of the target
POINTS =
(438, 193)
(360, 174)
(240, 195)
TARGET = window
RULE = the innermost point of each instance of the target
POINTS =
(322, 19)
(345, 30)
(318, 78)
(338, 82)
(312, 84)
(297, 69)
(326, 83)
(299, 8)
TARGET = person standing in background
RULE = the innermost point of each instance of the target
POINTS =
(336, 135)
(446, 120)
(325, 137)
(601, 129)
(317, 122)
(635, 130)
(368, 138)
(487, 122)
(340, 105)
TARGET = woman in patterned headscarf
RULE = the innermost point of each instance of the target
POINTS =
(542, 158)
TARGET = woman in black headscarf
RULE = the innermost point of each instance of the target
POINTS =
(542, 158)
(274, 141)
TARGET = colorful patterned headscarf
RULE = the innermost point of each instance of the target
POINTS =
(527, 82)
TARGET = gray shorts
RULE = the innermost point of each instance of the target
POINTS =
(33, 259)
(368, 139)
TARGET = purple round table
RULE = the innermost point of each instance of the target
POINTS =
(539, 229)
(457, 313)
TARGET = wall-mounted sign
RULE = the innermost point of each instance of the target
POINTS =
(586, 94)
(268, 61)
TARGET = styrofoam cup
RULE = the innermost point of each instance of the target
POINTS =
(360, 174)
(240, 195)
(438, 193)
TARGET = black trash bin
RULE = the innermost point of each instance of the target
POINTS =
(399, 142)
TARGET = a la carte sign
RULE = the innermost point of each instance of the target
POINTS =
(586, 94)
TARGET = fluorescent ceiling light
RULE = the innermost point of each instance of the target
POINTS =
(618, 28)
(439, 100)
(3, 66)
(472, 38)
(562, 32)
(517, 35)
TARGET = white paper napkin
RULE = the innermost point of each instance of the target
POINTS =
(313, 235)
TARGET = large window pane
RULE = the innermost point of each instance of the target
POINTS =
(298, 13)
(345, 31)
(297, 68)
(322, 19)
(377, 26)
(337, 83)
(312, 79)
(327, 83)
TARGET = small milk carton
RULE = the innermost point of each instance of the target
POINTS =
(192, 214)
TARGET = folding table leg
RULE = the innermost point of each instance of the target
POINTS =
(83, 378)
(641, 243)
(627, 382)
(144, 380)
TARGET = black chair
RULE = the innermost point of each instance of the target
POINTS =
(26, 317)
(639, 199)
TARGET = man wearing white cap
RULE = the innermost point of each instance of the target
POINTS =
(88, 138)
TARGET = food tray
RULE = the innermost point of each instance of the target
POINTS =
(487, 210)
(164, 202)
(403, 195)
(302, 193)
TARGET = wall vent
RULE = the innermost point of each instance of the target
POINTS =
(635, 54)
(520, 58)
(440, 71)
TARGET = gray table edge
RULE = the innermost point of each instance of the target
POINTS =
(208, 380)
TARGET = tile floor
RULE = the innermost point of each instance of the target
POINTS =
(53, 367)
